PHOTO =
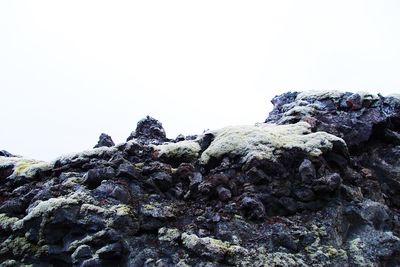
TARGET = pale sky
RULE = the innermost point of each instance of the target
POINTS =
(70, 70)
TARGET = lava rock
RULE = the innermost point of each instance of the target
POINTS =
(328, 183)
(224, 194)
(94, 177)
(162, 180)
(105, 140)
(261, 195)
(148, 130)
(111, 251)
(127, 170)
(4, 153)
(82, 253)
(307, 171)
(252, 208)
(304, 194)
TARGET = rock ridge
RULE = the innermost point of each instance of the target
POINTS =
(316, 184)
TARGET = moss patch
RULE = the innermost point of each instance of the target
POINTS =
(266, 141)
(184, 150)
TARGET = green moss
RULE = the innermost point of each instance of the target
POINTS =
(266, 141)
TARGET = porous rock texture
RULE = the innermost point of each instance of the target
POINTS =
(318, 184)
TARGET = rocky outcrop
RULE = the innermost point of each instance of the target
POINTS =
(355, 117)
(149, 130)
(104, 140)
(317, 185)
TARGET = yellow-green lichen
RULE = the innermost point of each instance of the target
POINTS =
(188, 150)
(261, 257)
(18, 246)
(6, 222)
(168, 234)
(71, 182)
(266, 141)
(45, 208)
(23, 166)
(87, 154)
(139, 165)
(122, 210)
(355, 249)
(205, 246)
(158, 210)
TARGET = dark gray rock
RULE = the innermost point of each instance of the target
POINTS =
(127, 170)
(112, 251)
(304, 194)
(328, 183)
(105, 140)
(148, 130)
(121, 193)
(162, 180)
(82, 253)
(179, 138)
(94, 177)
(94, 262)
(252, 208)
(223, 193)
(4, 153)
(307, 171)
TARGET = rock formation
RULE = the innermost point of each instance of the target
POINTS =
(104, 140)
(318, 184)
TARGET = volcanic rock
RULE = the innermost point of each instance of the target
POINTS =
(318, 184)
(149, 130)
(105, 140)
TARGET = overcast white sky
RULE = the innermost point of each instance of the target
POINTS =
(70, 70)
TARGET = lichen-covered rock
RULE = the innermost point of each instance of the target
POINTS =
(23, 167)
(318, 185)
(209, 248)
(183, 151)
(355, 117)
(266, 141)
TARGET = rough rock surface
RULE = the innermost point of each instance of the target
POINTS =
(318, 185)
(149, 130)
(104, 140)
